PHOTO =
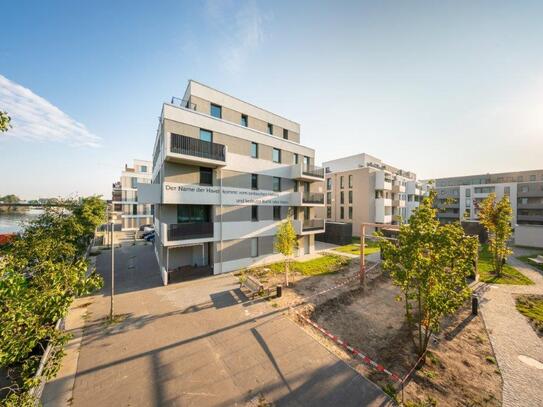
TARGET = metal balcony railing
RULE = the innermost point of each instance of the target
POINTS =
(186, 231)
(197, 148)
(313, 171)
(186, 103)
(313, 197)
(313, 224)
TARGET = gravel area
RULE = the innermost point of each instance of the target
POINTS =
(513, 339)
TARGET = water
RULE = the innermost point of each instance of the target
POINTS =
(12, 222)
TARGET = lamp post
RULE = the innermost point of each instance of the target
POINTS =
(112, 270)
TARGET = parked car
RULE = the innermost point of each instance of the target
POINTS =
(148, 226)
(145, 230)
(150, 237)
(147, 233)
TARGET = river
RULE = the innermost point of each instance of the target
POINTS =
(12, 222)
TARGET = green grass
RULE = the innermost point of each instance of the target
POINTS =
(509, 275)
(372, 246)
(531, 306)
(526, 260)
(319, 266)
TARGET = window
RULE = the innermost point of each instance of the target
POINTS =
(350, 212)
(295, 186)
(254, 150)
(328, 183)
(254, 181)
(270, 128)
(143, 168)
(276, 155)
(134, 182)
(254, 247)
(342, 197)
(507, 191)
(468, 192)
(295, 158)
(216, 111)
(193, 213)
(328, 212)
(342, 212)
(328, 197)
(350, 181)
(532, 177)
(206, 135)
(285, 134)
(254, 213)
(341, 181)
(350, 197)
(134, 209)
(206, 176)
(519, 178)
(276, 184)
(276, 213)
(244, 120)
(306, 162)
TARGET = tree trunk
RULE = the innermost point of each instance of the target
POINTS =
(420, 324)
(286, 272)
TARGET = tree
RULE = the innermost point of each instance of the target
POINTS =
(430, 263)
(5, 121)
(496, 218)
(286, 242)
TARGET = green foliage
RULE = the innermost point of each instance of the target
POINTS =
(5, 121)
(526, 260)
(286, 242)
(508, 275)
(531, 306)
(430, 263)
(41, 273)
(496, 219)
(371, 247)
(9, 198)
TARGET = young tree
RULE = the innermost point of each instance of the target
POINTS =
(430, 263)
(496, 218)
(286, 242)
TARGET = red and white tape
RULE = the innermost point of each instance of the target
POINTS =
(354, 351)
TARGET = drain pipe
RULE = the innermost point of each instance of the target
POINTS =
(221, 208)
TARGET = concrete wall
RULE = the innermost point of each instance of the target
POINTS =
(529, 235)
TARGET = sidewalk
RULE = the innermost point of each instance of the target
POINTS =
(512, 336)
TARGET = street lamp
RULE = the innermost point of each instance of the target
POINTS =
(112, 270)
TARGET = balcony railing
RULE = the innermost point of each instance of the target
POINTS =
(186, 231)
(313, 224)
(313, 171)
(313, 197)
(183, 103)
(197, 148)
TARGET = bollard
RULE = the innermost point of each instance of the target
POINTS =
(474, 305)
(279, 291)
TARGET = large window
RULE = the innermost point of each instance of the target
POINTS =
(206, 176)
(342, 212)
(276, 155)
(350, 197)
(254, 181)
(276, 184)
(270, 128)
(285, 134)
(254, 247)
(328, 212)
(254, 150)
(143, 168)
(328, 197)
(254, 213)
(328, 183)
(295, 158)
(216, 111)
(350, 212)
(341, 182)
(350, 181)
(193, 213)
(244, 120)
(276, 213)
(342, 197)
(134, 182)
(206, 135)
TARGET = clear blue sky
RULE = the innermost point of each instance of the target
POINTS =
(440, 88)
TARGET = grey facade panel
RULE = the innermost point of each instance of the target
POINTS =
(265, 245)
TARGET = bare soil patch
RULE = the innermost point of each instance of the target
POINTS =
(460, 369)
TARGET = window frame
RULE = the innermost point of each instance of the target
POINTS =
(278, 181)
(254, 247)
(285, 134)
(255, 145)
(270, 129)
(206, 131)
(278, 209)
(216, 106)
(244, 121)
(254, 213)
(205, 171)
(254, 182)
(278, 150)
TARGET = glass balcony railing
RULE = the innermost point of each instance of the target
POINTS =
(313, 197)
(186, 231)
(197, 148)
(313, 224)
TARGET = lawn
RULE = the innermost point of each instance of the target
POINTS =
(319, 266)
(531, 306)
(526, 259)
(372, 246)
(509, 275)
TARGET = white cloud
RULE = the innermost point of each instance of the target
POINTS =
(34, 118)
(240, 31)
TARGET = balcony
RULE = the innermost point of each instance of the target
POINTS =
(399, 203)
(382, 218)
(397, 188)
(311, 225)
(305, 172)
(189, 231)
(383, 181)
(189, 150)
(315, 198)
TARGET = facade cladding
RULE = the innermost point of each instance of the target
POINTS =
(363, 189)
(458, 197)
(225, 175)
(128, 212)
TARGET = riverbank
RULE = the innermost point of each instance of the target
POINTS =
(14, 222)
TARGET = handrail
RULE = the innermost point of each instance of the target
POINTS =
(198, 148)
(186, 103)
(313, 224)
(185, 231)
(313, 170)
(313, 197)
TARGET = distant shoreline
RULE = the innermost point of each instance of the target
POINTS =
(10, 209)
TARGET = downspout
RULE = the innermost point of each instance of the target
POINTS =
(221, 208)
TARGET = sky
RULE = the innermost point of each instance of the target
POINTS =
(438, 88)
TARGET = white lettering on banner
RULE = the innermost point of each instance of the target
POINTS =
(196, 194)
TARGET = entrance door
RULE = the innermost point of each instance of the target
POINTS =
(306, 245)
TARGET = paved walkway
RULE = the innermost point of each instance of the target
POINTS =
(512, 336)
(198, 344)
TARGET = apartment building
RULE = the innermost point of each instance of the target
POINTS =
(225, 175)
(128, 213)
(363, 189)
(458, 197)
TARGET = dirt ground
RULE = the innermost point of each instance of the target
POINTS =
(460, 369)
